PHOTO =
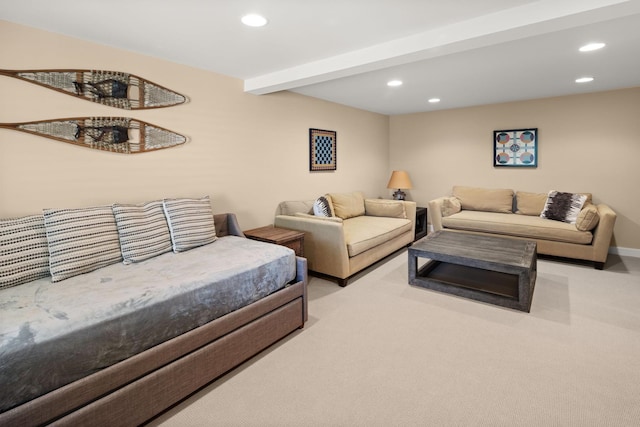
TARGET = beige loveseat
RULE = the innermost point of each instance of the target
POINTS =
(518, 214)
(359, 232)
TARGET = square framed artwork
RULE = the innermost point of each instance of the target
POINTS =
(322, 150)
(515, 148)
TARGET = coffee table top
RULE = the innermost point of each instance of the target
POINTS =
(476, 249)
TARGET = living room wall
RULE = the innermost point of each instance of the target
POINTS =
(587, 143)
(247, 152)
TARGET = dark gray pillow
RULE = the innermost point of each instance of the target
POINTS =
(563, 207)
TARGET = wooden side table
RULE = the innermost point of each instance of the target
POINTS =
(279, 236)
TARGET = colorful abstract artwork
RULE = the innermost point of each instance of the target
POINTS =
(516, 147)
(322, 150)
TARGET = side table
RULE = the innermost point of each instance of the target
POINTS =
(421, 223)
(279, 236)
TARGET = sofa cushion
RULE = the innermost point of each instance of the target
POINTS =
(347, 205)
(190, 222)
(143, 231)
(365, 232)
(382, 207)
(484, 199)
(81, 240)
(563, 207)
(530, 203)
(532, 227)
(24, 254)
(588, 218)
(322, 207)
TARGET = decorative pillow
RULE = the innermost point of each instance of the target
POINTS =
(485, 199)
(347, 205)
(563, 207)
(322, 207)
(588, 218)
(388, 208)
(81, 240)
(450, 206)
(24, 254)
(190, 223)
(143, 231)
(530, 203)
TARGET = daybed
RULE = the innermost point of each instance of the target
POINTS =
(120, 344)
(355, 233)
(563, 224)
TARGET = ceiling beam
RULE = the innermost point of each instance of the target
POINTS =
(510, 24)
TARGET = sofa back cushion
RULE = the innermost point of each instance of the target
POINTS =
(530, 203)
(386, 208)
(484, 199)
(347, 205)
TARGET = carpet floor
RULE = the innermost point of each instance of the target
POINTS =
(380, 352)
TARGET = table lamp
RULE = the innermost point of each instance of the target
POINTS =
(399, 180)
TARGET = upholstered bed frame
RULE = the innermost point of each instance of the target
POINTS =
(140, 387)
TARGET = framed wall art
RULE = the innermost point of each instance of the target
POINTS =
(322, 150)
(515, 148)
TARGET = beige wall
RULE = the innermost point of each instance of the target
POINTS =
(247, 152)
(587, 143)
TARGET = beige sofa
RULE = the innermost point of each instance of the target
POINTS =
(518, 215)
(360, 232)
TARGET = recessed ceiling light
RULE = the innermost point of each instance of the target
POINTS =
(591, 46)
(394, 83)
(584, 80)
(434, 100)
(253, 20)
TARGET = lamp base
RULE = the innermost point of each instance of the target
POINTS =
(399, 195)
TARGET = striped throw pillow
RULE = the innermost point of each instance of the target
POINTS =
(24, 254)
(81, 240)
(143, 231)
(190, 222)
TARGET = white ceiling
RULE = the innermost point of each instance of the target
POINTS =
(465, 52)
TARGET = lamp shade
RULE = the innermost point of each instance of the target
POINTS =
(399, 180)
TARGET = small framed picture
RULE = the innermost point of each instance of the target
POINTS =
(322, 150)
(515, 148)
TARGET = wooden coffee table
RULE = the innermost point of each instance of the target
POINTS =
(491, 269)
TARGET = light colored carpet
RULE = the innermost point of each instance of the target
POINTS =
(383, 353)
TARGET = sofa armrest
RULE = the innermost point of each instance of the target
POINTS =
(325, 246)
(603, 232)
(227, 225)
(435, 213)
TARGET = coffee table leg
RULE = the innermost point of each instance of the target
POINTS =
(413, 266)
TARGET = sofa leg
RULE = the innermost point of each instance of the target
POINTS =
(343, 282)
(598, 265)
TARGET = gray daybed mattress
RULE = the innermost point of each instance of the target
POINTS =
(54, 333)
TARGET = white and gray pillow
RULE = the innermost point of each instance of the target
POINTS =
(24, 254)
(322, 207)
(143, 231)
(81, 240)
(190, 222)
(563, 207)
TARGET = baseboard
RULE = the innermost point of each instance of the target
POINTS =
(625, 251)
